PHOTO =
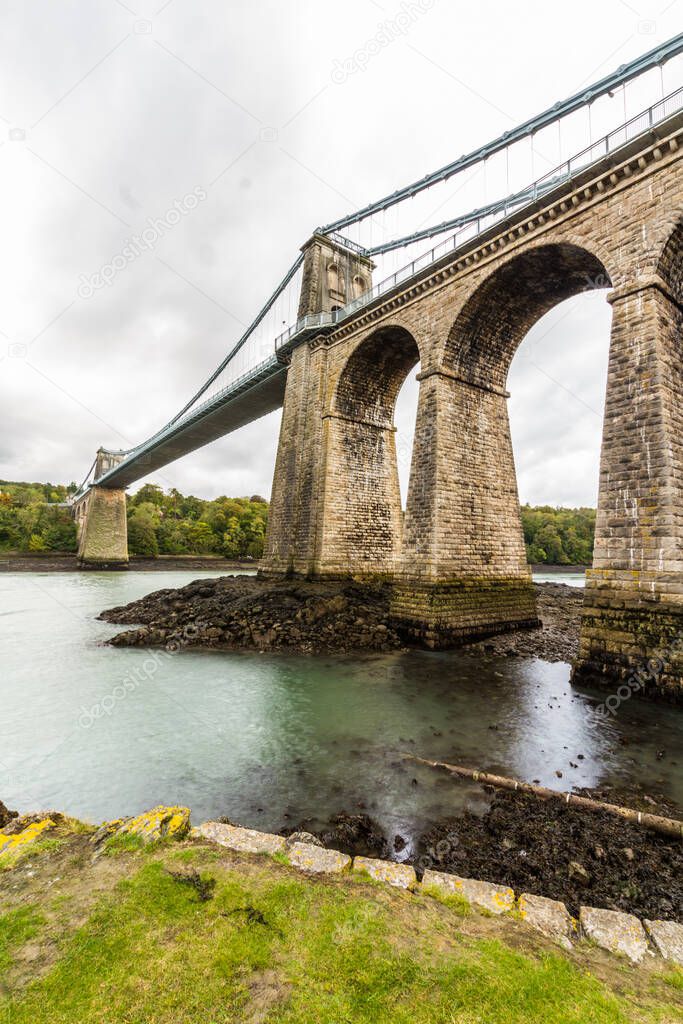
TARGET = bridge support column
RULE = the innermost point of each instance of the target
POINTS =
(336, 503)
(293, 522)
(464, 570)
(103, 538)
(632, 625)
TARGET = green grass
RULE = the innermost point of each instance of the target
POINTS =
(16, 928)
(459, 904)
(674, 978)
(294, 950)
(11, 858)
(123, 842)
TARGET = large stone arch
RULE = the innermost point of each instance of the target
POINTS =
(363, 523)
(498, 315)
(670, 263)
(464, 554)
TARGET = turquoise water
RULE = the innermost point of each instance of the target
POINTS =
(271, 740)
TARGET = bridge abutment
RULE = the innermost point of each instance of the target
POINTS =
(463, 571)
(101, 520)
(294, 520)
(632, 625)
(103, 538)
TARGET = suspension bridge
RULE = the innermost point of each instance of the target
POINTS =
(586, 195)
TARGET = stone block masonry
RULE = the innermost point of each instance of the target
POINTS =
(103, 540)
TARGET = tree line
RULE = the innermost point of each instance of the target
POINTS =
(31, 518)
(170, 523)
(558, 536)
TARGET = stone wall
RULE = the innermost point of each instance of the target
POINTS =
(103, 541)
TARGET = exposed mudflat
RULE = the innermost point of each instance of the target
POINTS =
(238, 612)
(559, 609)
(569, 854)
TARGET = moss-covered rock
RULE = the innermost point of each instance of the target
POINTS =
(159, 823)
(15, 840)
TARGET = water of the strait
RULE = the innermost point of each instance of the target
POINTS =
(271, 740)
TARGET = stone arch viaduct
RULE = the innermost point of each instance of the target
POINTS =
(456, 558)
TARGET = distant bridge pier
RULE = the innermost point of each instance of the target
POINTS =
(101, 521)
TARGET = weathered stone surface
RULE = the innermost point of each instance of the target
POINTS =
(303, 837)
(159, 823)
(103, 536)
(667, 937)
(402, 876)
(617, 932)
(317, 859)
(497, 899)
(17, 840)
(550, 917)
(244, 840)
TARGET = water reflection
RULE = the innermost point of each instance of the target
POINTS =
(271, 740)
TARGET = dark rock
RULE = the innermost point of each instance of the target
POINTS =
(247, 612)
(6, 815)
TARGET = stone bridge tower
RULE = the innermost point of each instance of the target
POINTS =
(101, 521)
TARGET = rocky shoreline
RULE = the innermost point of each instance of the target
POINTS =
(565, 853)
(247, 613)
(55, 561)
(520, 843)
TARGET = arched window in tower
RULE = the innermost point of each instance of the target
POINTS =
(358, 286)
(335, 281)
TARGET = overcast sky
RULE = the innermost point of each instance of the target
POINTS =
(112, 111)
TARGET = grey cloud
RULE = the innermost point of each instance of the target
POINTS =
(185, 105)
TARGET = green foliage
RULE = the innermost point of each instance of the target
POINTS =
(176, 524)
(184, 525)
(558, 536)
(31, 518)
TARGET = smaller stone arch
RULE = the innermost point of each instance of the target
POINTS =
(358, 286)
(369, 383)
(363, 520)
(336, 283)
